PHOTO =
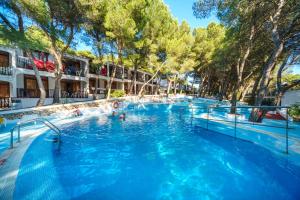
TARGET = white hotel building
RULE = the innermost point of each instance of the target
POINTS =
(19, 89)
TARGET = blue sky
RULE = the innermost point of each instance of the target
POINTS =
(182, 10)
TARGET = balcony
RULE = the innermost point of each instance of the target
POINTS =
(119, 72)
(5, 102)
(140, 77)
(32, 93)
(99, 90)
(147, 77)
(73, 67)
(98, 71)
(73, 71)
(74, 94)
(25, 63)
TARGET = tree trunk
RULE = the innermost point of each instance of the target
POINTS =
(133, 81)
(175, 85)
(56, 94)
(169, 87)
(267, 75)
(279, 89)
(59, 68)
(244, 92)
(111, 80)
(146, 83)
(233, 101)
(240, 70)
(42, 98)
(279, 45)
(193, 82)
(157, 86)
(96, 89)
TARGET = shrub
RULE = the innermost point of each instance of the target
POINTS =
(117, 93)
(294, 111)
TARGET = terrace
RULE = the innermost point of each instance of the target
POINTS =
(73, 89)
(43, 61)
(73, 68)
(5, 100)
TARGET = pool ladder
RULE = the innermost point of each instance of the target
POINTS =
(42, 120)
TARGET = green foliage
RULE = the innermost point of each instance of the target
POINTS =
(290, 78)
(117, 93)
(294, 111)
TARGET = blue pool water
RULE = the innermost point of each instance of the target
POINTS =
(155, 154)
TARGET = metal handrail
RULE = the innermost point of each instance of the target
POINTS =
(209, 107)
(42, 120)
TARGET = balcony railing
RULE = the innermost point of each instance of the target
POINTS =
(5, 70)
(73, 71)
(102, 71)
(119, 72)
(99, 90)
(32, 93)
(5, 102)
(24, 62)
(73, 94)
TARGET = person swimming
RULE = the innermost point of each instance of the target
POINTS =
(113, 113)
(122, 116)
(77, 113)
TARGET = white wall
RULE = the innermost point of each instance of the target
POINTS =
(291, 97)
(102, 83)
(51, 83)
(20, 81)
(31, 102)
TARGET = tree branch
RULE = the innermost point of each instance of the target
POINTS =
(70, 38)
(6, 21)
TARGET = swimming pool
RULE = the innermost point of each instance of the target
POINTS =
(155, 154)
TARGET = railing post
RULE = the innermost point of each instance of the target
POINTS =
(192, 115)
(207, 117)
(18, 133)
(235, 123)
(287, 132)
(11, 138)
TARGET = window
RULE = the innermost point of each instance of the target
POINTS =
(4, 89)
(31, 83)
(4, 59)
